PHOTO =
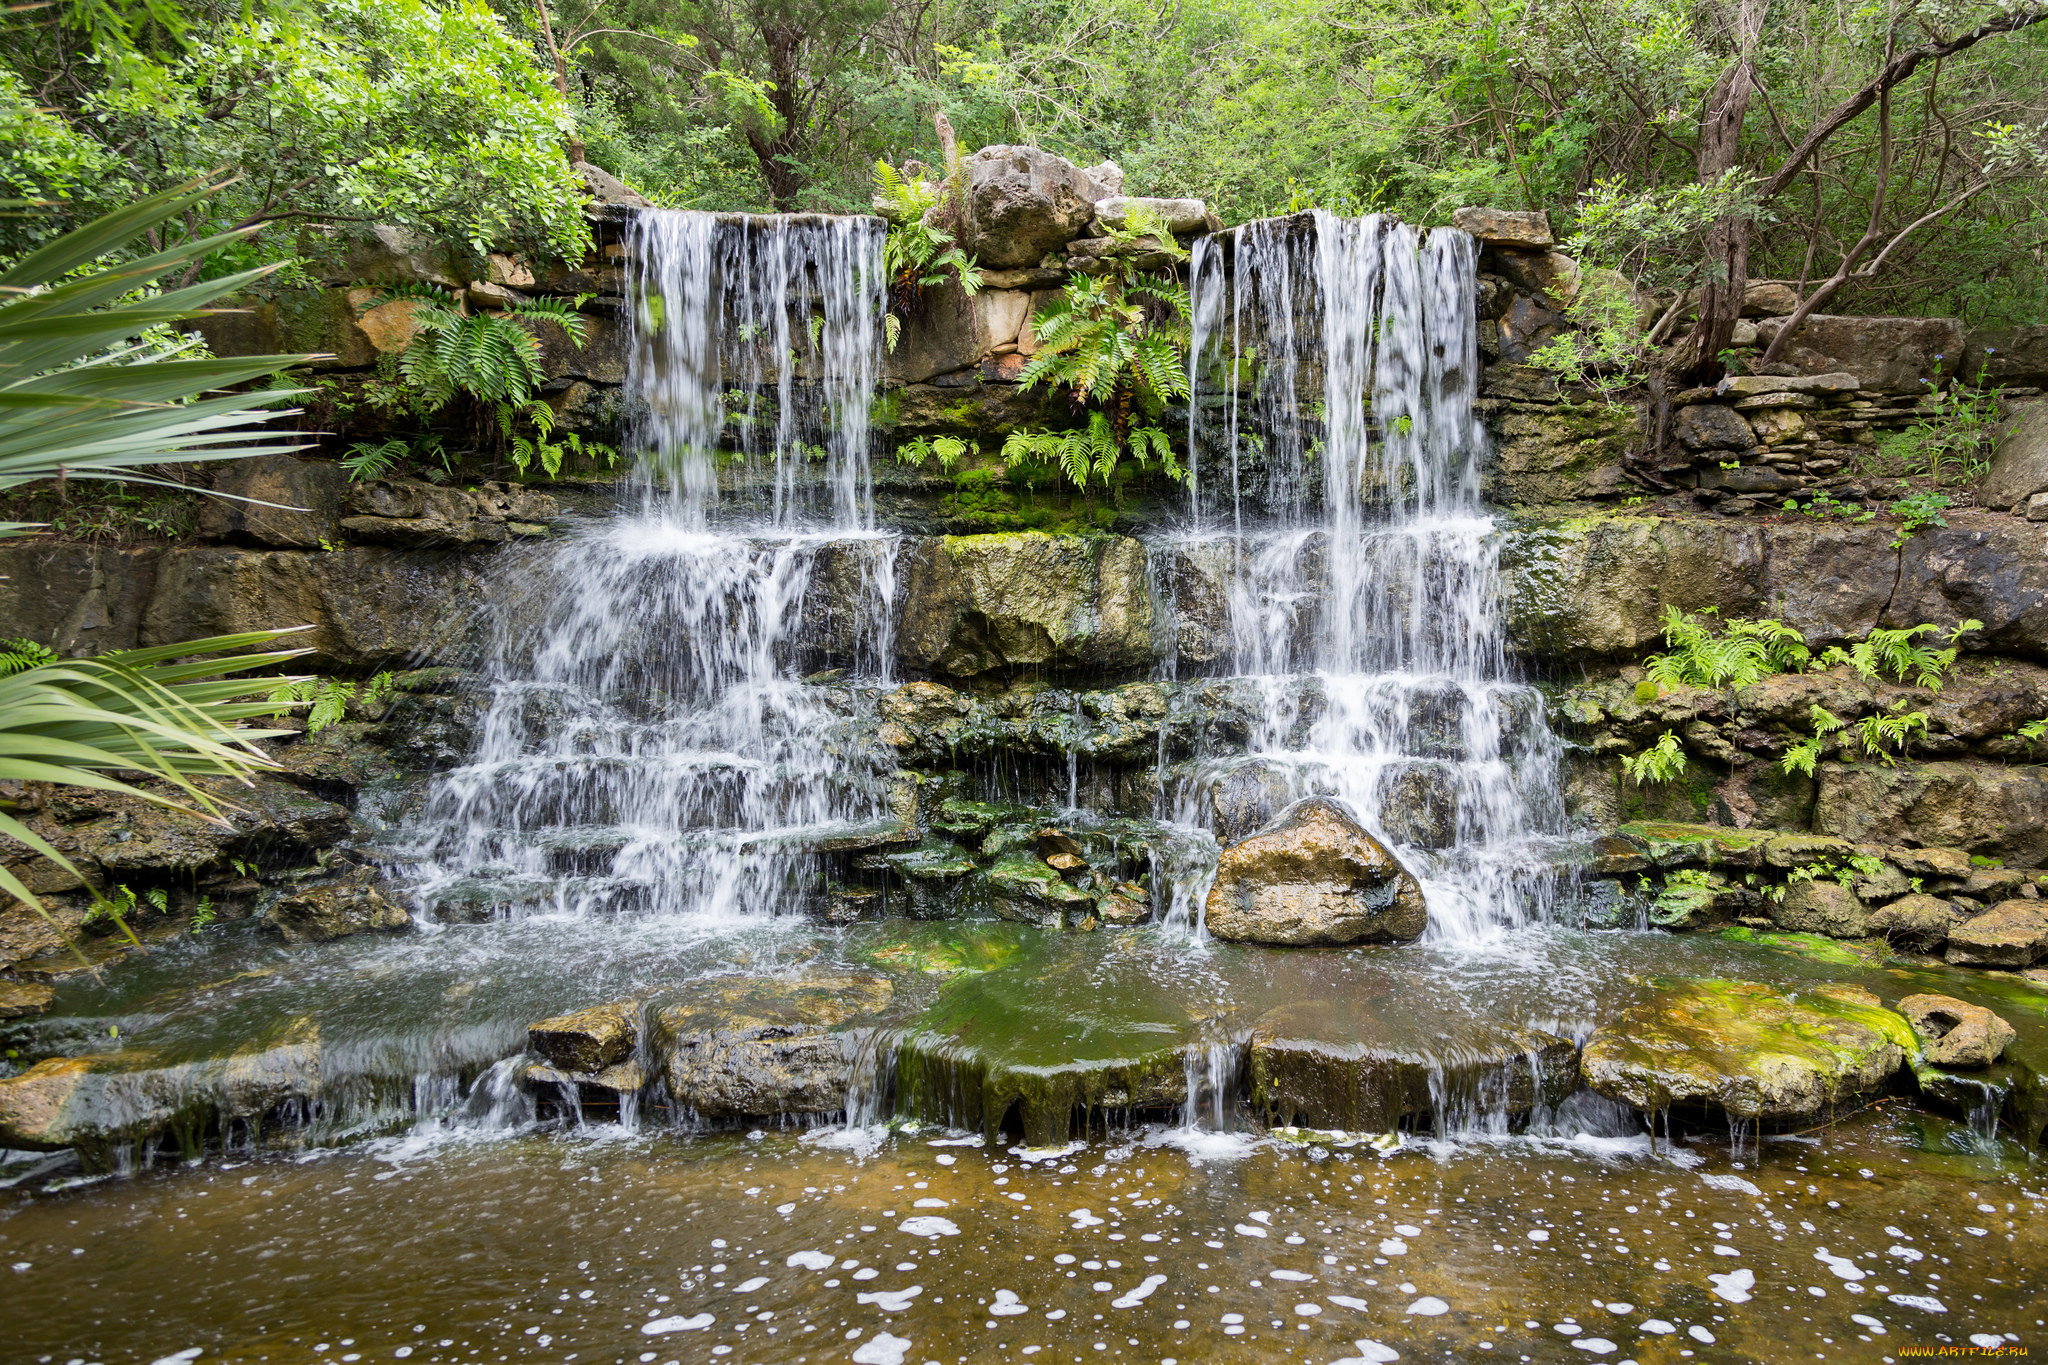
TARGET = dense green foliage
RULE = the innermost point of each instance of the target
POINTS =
(1673, 140)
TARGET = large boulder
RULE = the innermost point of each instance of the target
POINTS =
(1907, 355)
(952, 331)
(1991, 569)
(1954, 1032)
(2011, 933)
(980, 604)
(1711, 426)
(1821, 906)
(2010, 356)
(278, 501)
(1919, 921)
(2019, 462)
(757, 1047)
(1314, 877)
(1750, 1050)
(1992, 809)
(1024, 203)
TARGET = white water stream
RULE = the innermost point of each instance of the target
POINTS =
(649, 744)
(1368, 618)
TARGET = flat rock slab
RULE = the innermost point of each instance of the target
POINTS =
(2011, 933)
(1748, 1049)
(1339, 1064)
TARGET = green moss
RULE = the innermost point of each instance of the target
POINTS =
(1814, 946)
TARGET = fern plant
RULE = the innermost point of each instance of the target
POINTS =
(1802, 757)
(1660, 762)
(18, 655)
(1891, 730)
(1116, 346)
(1898, 653)
(1742, 653)
(491, 359)
(916, 255)
(947, 450)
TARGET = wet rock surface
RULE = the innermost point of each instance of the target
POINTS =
(319, 914)
(2011, 933)
(1749, 1050)
(755, 1047)
(1954, 1032)
(588, 1040)
(1314, 877)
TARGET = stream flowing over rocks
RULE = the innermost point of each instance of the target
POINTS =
(781, 910)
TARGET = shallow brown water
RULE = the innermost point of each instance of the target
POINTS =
(609, 1247)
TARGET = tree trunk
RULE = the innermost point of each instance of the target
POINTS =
(777, 149)
(572, 143)
(1726, 264)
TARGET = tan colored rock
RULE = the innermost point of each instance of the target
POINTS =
(508, 270)
(1769, 299)
(588, 1040)
(1920, 922)
(1954, 1032)
(1776, 426)
(1314, 877)
(24, 999)
(978, 604)
(389, 327)
(1551, 274)
(2010, 934)
(289, 502)
(1505, 227)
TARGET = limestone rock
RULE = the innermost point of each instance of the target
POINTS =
(588, 1040)
(1551, 274)
(304, 496)
(1821, 906)
(1179, 215)
(1769, 299)
(1749, 385)
(1313, 1062)
(981, 604)
(1314, 877)
(1903, 354)
(2010, 934)
(104, 1101)
(1024, 203)
(1108, 177)
(1710, 426)
(757, 1047)
(2019, 462)
(1419, 804)
(1919, 921)
(1028, 889)
(1748, 1049)
(2008, 356)
(377, 254)
(1995, 809)
(1245, 798)
(1994, 570)
(24, 999)
(953, 331)
(606, 188)
(318, 914)
(1954, 1032)
(1526, 327)
(1506, 227)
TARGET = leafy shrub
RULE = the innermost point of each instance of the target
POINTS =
(1952, 445)
(916, 255)
(1916, 512)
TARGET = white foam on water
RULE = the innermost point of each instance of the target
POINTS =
(881, 1349)
(1138, 1294)
(1734, 1286)
(1428, 1306)
(662, 1326)
(809, 1260)
(891, 1300)
(1007, 1304)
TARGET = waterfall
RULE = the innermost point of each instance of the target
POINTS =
(1369, 618)
(648, 743)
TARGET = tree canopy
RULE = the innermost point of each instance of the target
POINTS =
(1889, 156)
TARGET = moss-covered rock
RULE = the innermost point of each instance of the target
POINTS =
(981, 604)
(1748, 1049)
(757, 1047)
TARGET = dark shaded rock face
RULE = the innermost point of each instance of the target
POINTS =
(1247, 798)
(2010, 934)
(975, 604)
(321, 913)
(104, 1101)
(1314, 877)
(1304, 1072)
(1749, 1050)
(2019, 462)
(308, 494)
(757, 1047)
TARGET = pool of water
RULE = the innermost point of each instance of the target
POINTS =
(1889, 1231)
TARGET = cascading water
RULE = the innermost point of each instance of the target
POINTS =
(648, 745)
(1371, 629)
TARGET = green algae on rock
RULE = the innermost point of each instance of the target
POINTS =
(758, 1047)
(1749, 1049)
